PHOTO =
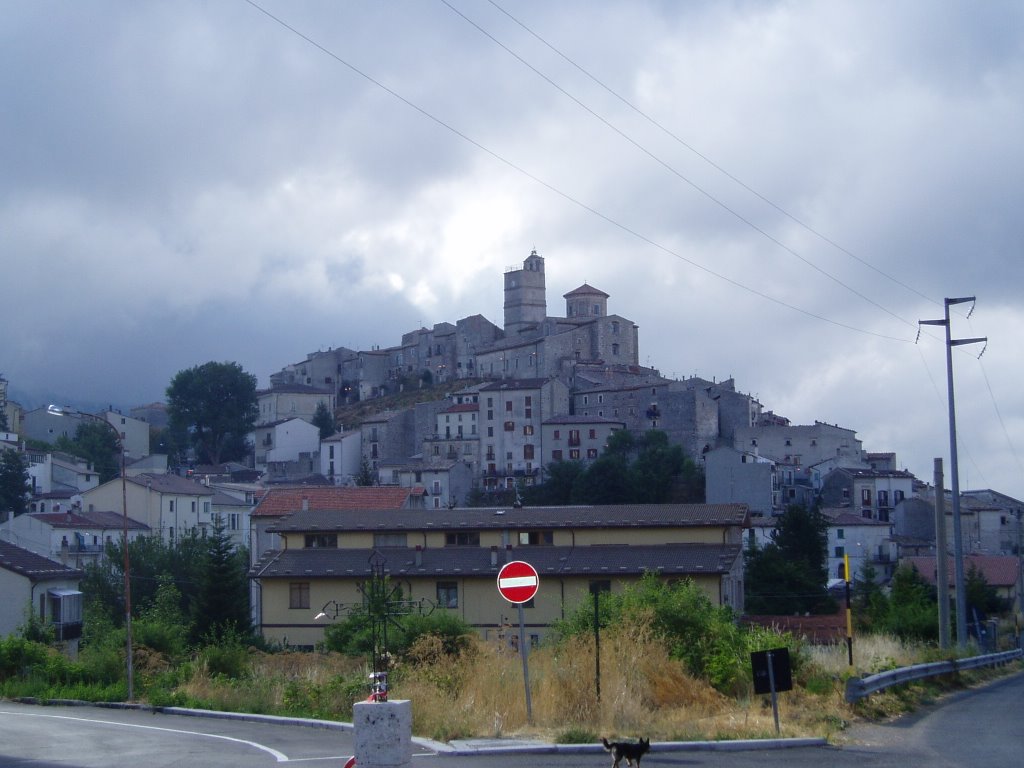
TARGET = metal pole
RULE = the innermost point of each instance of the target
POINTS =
(127, 581)
(958, 542)
(597, 643)
(526, 668)
(849, 611)
(1020, 574)
(57, 410)
(941, 556)
(775, 695)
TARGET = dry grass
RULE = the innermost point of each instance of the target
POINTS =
(871, 654)
(643, 691)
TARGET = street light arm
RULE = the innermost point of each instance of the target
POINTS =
(56, 410)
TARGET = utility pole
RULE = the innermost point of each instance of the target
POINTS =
(958, 542)
(941, 556)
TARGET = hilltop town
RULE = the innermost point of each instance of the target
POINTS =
(470, 407)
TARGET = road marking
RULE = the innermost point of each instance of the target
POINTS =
(279, 756)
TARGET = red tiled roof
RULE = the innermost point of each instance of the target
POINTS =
(462, 408)
(816, 629)
(998, 570)
(282, 501)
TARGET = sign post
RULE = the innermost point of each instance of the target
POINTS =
(518, 583)
(771, 675)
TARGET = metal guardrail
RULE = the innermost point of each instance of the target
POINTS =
(858, 688)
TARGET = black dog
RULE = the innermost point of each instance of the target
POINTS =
(631, 750)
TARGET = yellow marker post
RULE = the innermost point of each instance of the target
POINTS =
(849, 614)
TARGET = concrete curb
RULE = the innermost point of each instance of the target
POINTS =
(455, 748)
(492, 747)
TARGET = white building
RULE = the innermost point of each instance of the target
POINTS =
(285, 441)
(340, 456)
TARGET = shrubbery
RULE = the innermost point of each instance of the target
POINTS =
(702, 635)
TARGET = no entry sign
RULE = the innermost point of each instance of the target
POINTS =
(518, 581)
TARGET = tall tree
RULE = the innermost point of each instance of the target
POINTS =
(215, 403)
(15, 484)
(97, 444)
(365, 476)
(790, 573)
(222, 603)
(323, 420)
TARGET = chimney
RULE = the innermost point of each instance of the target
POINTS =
(419, 555)
(494, 557)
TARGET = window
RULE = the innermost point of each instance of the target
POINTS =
(615, 349)
(600, 585)
(556, 455)
(528, 452)
(591, 453)
(558, 435)
(528, 429)
(298, 595)
(321, 540)
(193, 506)
(865, 497)
(840, 533)
(840, 551)
(508, 405)
(389, 540)
(510, 426)
(574, 454)
(536, 538)
(448, 594)
(490, 431)
(462, 539)
(593, 434)
(233, 521)
(170, 505)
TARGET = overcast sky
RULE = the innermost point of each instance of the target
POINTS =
(772, 191)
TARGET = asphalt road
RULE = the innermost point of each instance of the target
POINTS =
(982, 727)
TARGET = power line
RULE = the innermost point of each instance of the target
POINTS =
(707, 159)
(555, 190)
(671, 169)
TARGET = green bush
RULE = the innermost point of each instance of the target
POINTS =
(705, 637)
(18, 656)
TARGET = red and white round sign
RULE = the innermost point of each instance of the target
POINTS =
(518, 581)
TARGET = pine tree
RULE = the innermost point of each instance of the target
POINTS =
(14, 484)
(222, 602)
(323, 420)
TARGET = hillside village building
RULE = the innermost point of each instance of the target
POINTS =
(583, 365)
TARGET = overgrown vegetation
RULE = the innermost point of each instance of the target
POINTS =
(790, 574)
(633, 469)
(673, 665)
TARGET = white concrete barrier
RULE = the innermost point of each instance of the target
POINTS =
(383, 733)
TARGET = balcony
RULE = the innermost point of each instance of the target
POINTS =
(67, 631)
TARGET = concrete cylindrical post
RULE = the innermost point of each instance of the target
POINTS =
(383, 733)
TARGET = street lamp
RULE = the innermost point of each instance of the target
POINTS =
(56, 410)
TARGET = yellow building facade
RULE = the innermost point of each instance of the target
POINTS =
(449, 560)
